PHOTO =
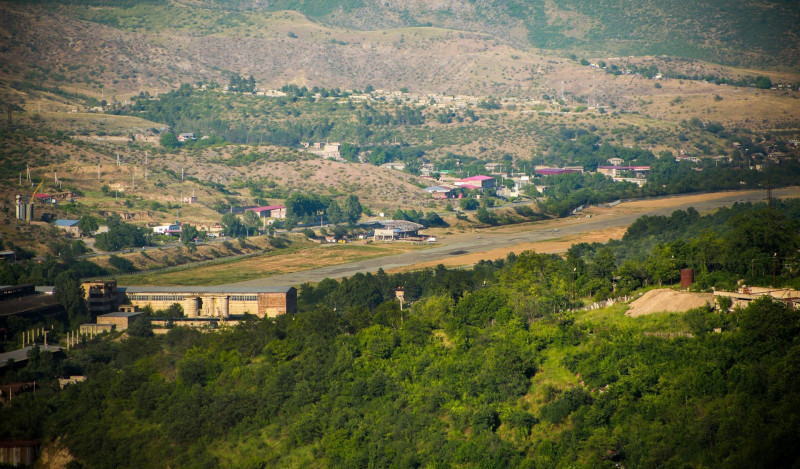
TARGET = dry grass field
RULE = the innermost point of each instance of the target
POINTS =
(273, 263)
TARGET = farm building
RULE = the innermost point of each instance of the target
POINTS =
(269, 211)
(481, 182)
(396, 229)
(615, 171)
(70, 226)
(215, 301)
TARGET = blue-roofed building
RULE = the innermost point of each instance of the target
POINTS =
(70, 226)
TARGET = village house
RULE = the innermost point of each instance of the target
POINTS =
(476, 182)
(640, 172)
(70, 226)
(184, 137)
(269, 211)
(691, 159)
(169, 230)
(554, 171)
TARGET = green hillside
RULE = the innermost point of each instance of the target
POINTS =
(741, 33)
(726, 31)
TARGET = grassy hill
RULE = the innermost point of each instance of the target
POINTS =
(723, 31)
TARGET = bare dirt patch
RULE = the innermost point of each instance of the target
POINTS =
(546, 247)
(668, 300)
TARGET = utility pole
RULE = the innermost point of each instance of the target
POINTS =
(572, 285)
(671, 281)
(774, 259)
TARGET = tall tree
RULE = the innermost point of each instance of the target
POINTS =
(352, 209)
(69, 292)
(88, 224)
(335, 213)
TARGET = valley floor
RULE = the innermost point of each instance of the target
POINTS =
(454, 249)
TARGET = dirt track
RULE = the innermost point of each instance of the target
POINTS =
(665, 299)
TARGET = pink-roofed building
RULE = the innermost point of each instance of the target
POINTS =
(269, 211)
(476, 182)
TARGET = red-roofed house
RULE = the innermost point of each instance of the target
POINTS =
(269, 211)
(477, 182)
(44, 198)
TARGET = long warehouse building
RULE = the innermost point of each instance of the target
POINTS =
(215, 301)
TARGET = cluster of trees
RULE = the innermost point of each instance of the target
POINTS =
(565, 192)
(309, 207)
(477, 368)
(122, 235)
(402, 116)
(242, 85)
(429, 219)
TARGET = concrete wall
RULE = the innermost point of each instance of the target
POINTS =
(224, 305)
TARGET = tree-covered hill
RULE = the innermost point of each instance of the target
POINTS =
(488, 367)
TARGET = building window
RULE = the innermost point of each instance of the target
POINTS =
(244, 298)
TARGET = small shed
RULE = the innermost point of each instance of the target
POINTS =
(120, 320)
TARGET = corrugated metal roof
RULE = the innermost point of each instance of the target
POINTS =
(62, 222)
(477, 178)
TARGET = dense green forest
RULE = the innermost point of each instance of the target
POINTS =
(487, 367)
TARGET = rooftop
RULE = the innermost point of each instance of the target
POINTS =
(21, 354)
(63, 222)
(401, 225)
(265, 208)
(551, 171)
(477, 178)
(630, 168)
(120, 314)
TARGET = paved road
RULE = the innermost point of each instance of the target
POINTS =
(484, 241)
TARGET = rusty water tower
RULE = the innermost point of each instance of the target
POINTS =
(687, 278)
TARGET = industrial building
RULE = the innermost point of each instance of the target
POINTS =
(101, 296)
(216, 301)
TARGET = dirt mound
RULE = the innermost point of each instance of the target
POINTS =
(668, 300)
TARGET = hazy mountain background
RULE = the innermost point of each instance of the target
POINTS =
(448, 46)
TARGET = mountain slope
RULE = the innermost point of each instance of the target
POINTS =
(724, 31)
